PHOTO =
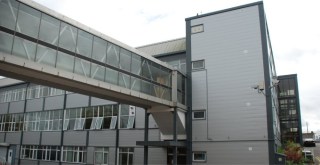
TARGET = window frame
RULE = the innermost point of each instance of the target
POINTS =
(199, 68)
(199, 110)
(199, 152)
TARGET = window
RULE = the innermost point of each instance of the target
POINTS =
(197, 29)
(101, 156)
(50, 153)
(199, 114)
(74, 154)
(127, 116)
(126, 156)
(198, 64)
(29, 152)
(43, 121)
(32, 121)
(199, 156)
(97, 117)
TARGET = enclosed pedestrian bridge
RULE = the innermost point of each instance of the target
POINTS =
(44, 47)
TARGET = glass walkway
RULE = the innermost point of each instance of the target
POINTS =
(42, 46)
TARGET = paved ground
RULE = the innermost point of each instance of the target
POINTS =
(316, 152)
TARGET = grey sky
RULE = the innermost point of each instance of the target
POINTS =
(293, 26)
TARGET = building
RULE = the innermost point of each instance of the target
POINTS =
(289, 108)
(212, 95)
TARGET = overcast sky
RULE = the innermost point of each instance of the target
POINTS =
(294, 27)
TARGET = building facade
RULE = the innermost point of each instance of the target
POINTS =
(289, 106)
(225, 77)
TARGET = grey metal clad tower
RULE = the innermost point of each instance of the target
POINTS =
(229, 52)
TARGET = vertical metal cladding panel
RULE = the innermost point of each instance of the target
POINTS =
(231, 48)
(34, 105)
(48, 163)
(199, 97)
(139, 121)
(128, 138)
(17, 155)
(54, 102)
(16, 107)
(3, 152)
(156, 156)
(31, 138)
(13, 137)
(112, 154)
(102, 138)
(233, 152)
(28, 162)
(77, 100)
(51, 138)
(4, 108)
(97, 101)
(2, 134)
(90, 155)
(75, 138)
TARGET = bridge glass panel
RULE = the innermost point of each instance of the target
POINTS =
(28, 21)
(111, 76)
(125, 60)
(24, 48)
(6, 42)
(49, 29)
(97, 72)
(65, 61)
(46, 55)
(124, 80)
(82, 67)
(99, 51)
(84, 44)
(135, 84)
(68, 36)
(8, 13)
(136, 64)
(113, 55)
(146, 87)
(146, 70)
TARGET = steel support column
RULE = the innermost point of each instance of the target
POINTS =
(175, 148)
(146, 136)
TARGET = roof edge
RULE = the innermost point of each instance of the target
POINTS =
(225, 10)
(157, 43)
